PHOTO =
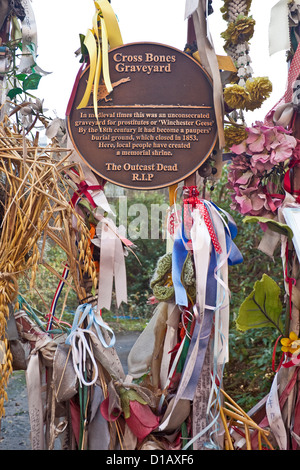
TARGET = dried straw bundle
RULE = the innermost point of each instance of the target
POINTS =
(34, 191)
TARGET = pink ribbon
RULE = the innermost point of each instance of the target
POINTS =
(84, 188)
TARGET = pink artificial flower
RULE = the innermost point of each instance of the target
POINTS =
(239, 148)
(255, 140)
(260, 162)
(244, 179)
(282, 150)
(243, 204)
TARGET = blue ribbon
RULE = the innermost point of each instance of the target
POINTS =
(235, 256)
(206, 326)
(86, 311)
(179, 255)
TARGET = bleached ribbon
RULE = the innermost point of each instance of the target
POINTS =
(29, 37)
(223, 294)
(29, 41)
(201, 245)
(274, 415)
(190, 8)
(35, 405)
(209, 60)
(279, 34)
(112, 265)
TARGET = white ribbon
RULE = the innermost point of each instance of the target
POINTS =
(210, 62)
(29, 37)
(201, 248)
(221, 274)
(35, 405)
(190, 7)
(29, 41)
(201, 242)
(274, 416)
(112, 265)
(279, 34)
(80, 349)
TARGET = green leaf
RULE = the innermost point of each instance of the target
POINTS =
(32, 82)
(83, 47)
(262, 308)
(274, 225)
(31, 47)
(21, 76)
(126, 397)
(14, 92)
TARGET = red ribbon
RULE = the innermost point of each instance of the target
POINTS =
(84, 188)
(287, 180)
(270, 198)
(290, 280)
(193, 201)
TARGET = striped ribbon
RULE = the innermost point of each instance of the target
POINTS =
(58, 291)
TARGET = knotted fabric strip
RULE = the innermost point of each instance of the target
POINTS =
(274, 416)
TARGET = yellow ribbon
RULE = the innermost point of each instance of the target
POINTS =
(98, 40)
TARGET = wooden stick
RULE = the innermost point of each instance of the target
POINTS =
(227, 433)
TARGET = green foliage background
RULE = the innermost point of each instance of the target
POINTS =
(248, 375)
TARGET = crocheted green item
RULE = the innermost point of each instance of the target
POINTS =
(188, 278)
(161, 282)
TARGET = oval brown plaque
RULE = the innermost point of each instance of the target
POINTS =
(156, 127)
